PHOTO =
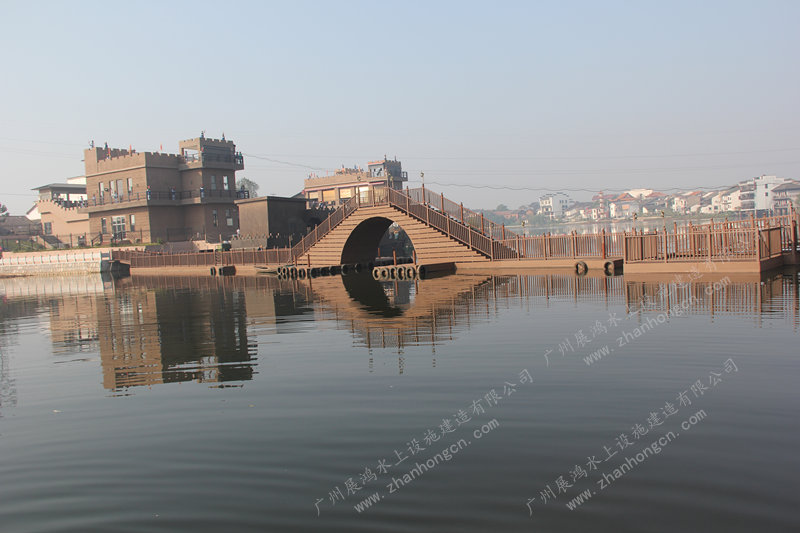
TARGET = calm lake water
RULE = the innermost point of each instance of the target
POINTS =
(460, 403)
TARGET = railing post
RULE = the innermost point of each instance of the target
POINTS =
(675, 228)
(603, 243)
(757, 240)
(503, 231)
(394, 257)
(665, 243)
(441, 205)
(462, 212)
(519, 250)
(624, 247)
(710, 243)
(482, 222)
(574, 244)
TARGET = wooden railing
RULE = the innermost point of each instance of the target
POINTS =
(572, 245)
(716, 241)
(460, 213)
(720, 244)
(324, 227)
(138, 259)
(435, 218)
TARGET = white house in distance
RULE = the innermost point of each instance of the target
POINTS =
(554, 205)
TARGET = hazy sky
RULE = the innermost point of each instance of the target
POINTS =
(560, 95)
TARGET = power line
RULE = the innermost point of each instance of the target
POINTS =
(567, 189)
(557, 157)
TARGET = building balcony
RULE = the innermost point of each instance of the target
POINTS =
(233, 161)
(161, 198)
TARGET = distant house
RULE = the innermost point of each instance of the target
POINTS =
(554, 205)
(786, 196)
(20, 225)
(58, 209)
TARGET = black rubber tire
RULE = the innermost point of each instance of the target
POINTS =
(376, 274)
(581, 268)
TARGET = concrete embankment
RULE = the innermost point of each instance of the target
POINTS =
(55, 263)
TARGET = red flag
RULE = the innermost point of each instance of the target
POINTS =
(160, 147)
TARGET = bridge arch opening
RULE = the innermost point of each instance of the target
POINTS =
(375, 237)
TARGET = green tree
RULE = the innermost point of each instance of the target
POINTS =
(502, 207)
(3, 211)
(250, 186)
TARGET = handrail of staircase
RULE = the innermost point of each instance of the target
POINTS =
(453, 228)
(324, 227)
(462, 214)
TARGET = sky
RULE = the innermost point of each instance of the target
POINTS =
(496, 102)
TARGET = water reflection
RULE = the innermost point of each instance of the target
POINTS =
(151, 330)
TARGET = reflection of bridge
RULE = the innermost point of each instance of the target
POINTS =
(157, 329)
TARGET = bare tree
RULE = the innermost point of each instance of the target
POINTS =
(249, 186)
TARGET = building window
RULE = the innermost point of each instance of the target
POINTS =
(213, 183)
(225, 184)
(103, 227)
(346, 193)
(48, 228)
(133, 222)
(228, 218)
(118, 226)
(329, 196)
(214, 218)
(130, 185)
(101, 189)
